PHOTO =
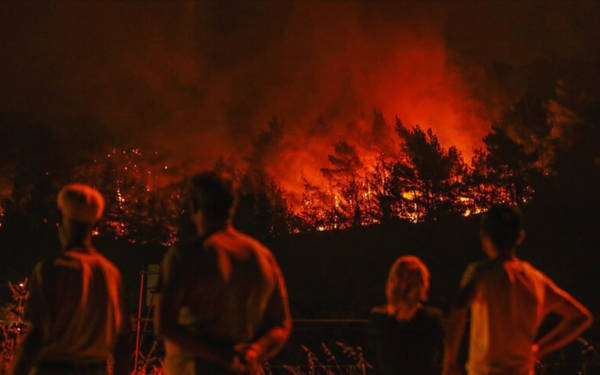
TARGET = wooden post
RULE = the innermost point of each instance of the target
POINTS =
(138, 329)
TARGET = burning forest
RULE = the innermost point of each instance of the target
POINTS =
(414, 179)
(323, 125)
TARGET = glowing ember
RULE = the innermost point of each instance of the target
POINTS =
(119, 228)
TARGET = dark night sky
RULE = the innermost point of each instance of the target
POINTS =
(201, 79)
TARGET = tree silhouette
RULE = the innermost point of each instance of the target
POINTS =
(261, 209)
(429, 172)
(509, 166)
(346, 183)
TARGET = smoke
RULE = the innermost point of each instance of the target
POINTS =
(198, 80)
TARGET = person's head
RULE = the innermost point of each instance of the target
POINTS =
(501, 231)
(211, 200)
(407, 284)
(80, 206)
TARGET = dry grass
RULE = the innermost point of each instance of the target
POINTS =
(12, 327)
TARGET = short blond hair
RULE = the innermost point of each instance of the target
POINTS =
(408, 281)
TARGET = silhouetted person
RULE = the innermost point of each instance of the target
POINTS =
(409, 336)
(508, 299)
(74, 304)
(222, 303)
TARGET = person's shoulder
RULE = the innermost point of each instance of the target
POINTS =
(243, 240)
(432, 312)
(532, 272)
(56, 266)
(249, 240)
(525, 265)
(62, 261)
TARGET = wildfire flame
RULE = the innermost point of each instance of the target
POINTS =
(351, 190)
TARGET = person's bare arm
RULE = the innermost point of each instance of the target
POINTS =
(455, 328)
(575, 319)
(278, 325)
(457, 321)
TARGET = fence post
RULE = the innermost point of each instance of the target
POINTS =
(138, 329)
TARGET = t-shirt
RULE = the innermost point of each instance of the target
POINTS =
(229, 290)
(408, 347)
(509, 300)
(74, 302)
